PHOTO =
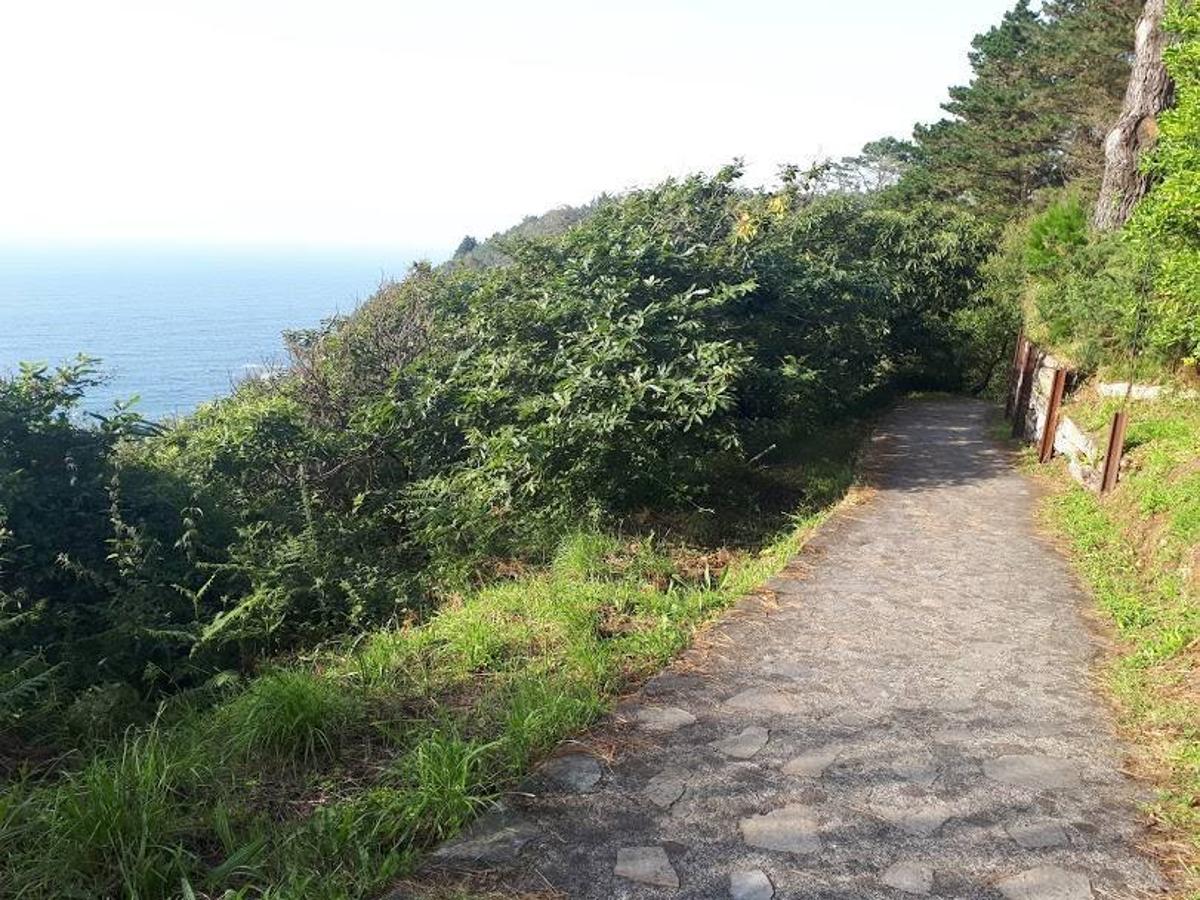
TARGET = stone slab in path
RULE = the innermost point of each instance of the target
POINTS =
(666, 787)
(791, 829)
(812, 763)
(663, 718)
(1037, 835)
(578, 772)
(744, 744)
(909, 876)
(649, 865)
(1047, 883)
(766, 702)
(1039, 773)
(498, 836)
(750, 884)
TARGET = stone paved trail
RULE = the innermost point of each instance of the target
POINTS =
(910, 714)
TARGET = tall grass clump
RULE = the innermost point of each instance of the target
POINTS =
(448, 780)
(119, 826)
(290, 714)
(584, 554)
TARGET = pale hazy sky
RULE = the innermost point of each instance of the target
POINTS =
(411, 123)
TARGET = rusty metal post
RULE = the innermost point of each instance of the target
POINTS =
(1014, 375)
(1116, 448)
(1024, 389)
(1046, 451)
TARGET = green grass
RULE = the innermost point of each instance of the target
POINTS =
(327, 777)
(290, 714)
(120, 820)
(1137, 549)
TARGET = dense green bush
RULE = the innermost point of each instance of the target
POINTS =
(101, 585)
(944, 332)
(602, 373)
(1086, 295)
(618, 370)
(1166, 225)
(1056, 235)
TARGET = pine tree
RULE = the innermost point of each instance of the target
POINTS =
(1045, 86)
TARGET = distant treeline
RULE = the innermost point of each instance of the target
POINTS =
(490, 252)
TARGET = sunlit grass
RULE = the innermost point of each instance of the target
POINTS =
(1138, 551)
(291, 714)
(325, 778)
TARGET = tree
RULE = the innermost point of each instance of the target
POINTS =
(999, 146)
(1086, 57)
(1149, 93)
(879, 166)
(1045, 84)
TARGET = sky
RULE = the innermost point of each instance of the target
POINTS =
(399, 123)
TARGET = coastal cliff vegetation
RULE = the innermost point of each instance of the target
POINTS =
(281, 645)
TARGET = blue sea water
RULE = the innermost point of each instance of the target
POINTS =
(174, 327)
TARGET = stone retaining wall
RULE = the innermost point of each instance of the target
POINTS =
(1084, 458)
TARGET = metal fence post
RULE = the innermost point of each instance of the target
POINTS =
(1024, 389)
(1116, 447)
(1014, 374)
(1046, 451)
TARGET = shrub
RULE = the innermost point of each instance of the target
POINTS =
(603, 374)
(98, 553)
(1055, 235)
(1096, 299)
(1166, 224)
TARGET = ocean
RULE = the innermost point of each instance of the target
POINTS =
(175, 328)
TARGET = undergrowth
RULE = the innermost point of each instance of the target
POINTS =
(326, 776)
(1138, 551)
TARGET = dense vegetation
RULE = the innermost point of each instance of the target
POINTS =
(280, 645)
(1139, 550)
(1129, 298)
(324, 778)
(462, 417)
(644, 377)
(491, 252)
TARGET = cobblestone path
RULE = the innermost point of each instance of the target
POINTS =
(909, 713)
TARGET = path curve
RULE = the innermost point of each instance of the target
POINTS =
(910, 714)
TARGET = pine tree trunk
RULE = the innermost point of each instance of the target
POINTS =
(1149, 93)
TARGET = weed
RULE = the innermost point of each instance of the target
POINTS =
(449, 782)
(1137, 549)
(116, 826)
(584, 554)
(289, 714)
(281, 787)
